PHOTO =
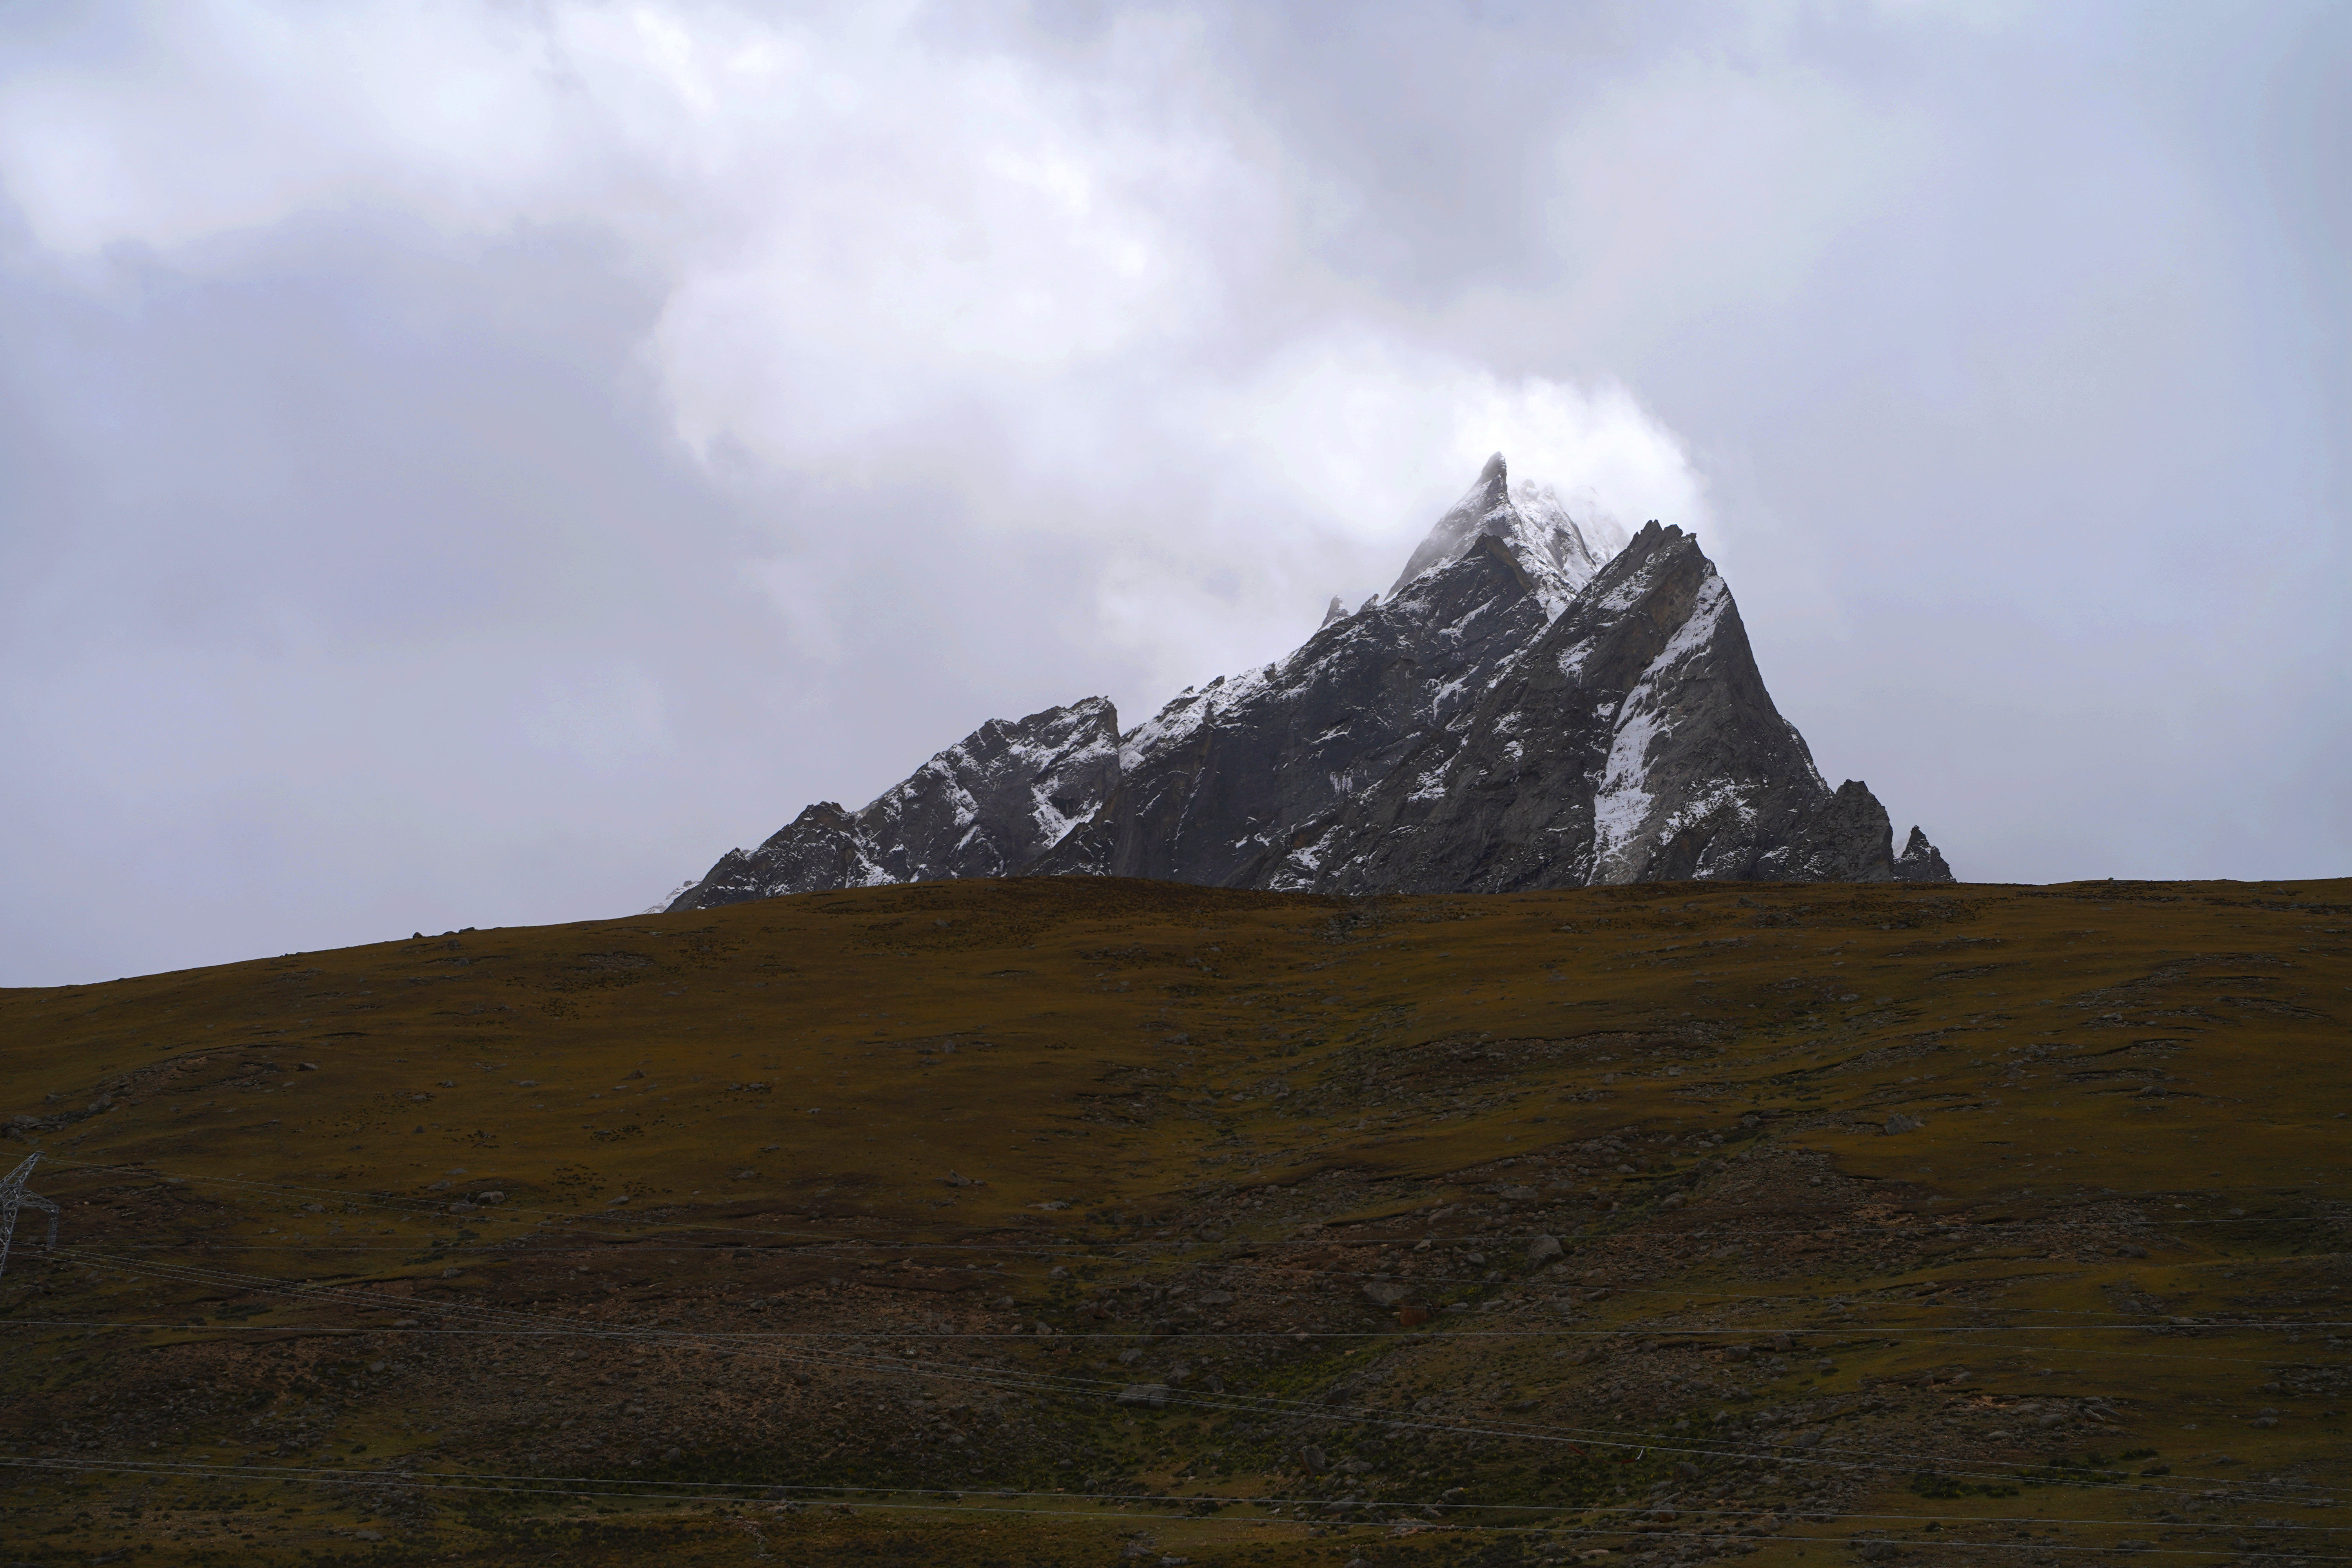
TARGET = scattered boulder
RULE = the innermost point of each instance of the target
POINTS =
(1542, 1250)
(1899, 1123)
(1313, 1460)
(1148, 1395)
(1385, 1292)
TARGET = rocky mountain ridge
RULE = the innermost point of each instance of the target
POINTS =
(1532, 705)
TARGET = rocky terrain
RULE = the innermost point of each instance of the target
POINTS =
(1089, 1221)
(1526, 707)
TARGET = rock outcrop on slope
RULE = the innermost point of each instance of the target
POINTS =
(1532, 705)
(1921, 861)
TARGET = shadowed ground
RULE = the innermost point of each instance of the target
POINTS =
(1083, 1221)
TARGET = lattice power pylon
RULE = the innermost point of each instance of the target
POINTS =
(13, 1194)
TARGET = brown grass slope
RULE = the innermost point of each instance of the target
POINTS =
(1085, 1221)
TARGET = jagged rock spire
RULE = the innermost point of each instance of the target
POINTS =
(1522, 710)
(1485, 508)
(1558, 553)
(1921, 861)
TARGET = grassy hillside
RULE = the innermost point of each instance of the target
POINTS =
(1075, 1221)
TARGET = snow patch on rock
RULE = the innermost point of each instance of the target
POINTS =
(1622, 824)
(1538, 701)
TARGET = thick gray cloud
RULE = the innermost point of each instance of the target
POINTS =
(470, 464)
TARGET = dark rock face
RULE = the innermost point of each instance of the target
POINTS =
(987, 806)
(1557, 553)
(1632, 742)
(1226, 785)
(1921, 861)
(1522, 710)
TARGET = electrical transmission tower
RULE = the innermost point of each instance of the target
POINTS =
(12, 1195)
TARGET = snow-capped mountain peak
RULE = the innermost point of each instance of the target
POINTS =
(1485, 508)
(1538, 702)
(1559, 552)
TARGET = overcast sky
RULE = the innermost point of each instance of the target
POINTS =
(471, 464)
